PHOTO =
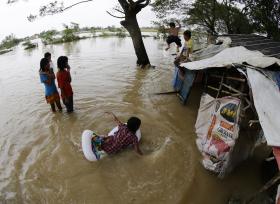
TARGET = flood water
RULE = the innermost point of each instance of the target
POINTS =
(40, 161)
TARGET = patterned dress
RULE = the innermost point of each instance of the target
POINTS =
(121, 139)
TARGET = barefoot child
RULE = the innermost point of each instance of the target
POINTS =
(123, 138)
(64, 82)
(185, 54)
(173, 36)
(187, 49)
(47, 77)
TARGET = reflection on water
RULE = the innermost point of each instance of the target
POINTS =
(39, 158)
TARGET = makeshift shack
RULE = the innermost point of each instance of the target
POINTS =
(239, 105)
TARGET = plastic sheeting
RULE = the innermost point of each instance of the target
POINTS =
(229, 56)
(211, 50)
(266, 97)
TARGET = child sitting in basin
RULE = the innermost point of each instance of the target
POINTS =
(122, 138)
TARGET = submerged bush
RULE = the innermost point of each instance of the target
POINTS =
(9, 42)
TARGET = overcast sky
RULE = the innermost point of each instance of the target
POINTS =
(14, 17)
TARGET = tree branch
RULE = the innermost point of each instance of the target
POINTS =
(68, 7)
(53, 8)
(118, 10)
(140, 1)
(124, 5)
(145, 4)
(114, 15)
(139, 6)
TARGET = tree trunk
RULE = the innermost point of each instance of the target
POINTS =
(131, 25)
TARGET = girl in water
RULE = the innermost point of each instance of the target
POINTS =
(47, 77)
(123, 138)
(64, 82)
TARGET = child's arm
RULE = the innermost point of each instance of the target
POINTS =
(46, 78)
(188, 53)
(137, 149)
(69, 75)
(51, 75)
(179, 25)
(115, 118)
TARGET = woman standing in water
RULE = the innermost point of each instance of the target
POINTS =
(47, 77)
(64, 82)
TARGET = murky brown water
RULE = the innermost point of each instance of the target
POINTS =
(39, 158)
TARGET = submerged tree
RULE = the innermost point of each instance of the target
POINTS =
(129, 10)
(68, 34)
(9, 42)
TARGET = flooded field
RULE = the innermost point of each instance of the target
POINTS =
(40, 161)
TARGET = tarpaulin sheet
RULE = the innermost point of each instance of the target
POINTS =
(266, 97)
(183, 84)
(232, 55)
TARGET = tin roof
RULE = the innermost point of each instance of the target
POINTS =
(265, 45)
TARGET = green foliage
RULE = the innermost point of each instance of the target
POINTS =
(104, 34)
(112, 29)
(264, 15)
(5, 51)
(234, 21)
(9, 42)
(164, 8)
(121, 33)
(203, 13)
(48, 36)
(29, 45)
(212, 15)
(161, 30)
(218, 17)
(69, 32)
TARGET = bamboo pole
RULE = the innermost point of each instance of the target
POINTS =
(268, 185)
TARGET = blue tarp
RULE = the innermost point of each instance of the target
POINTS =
(183, 86)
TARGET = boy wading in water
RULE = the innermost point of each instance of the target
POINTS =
(173, 36)
(123, 138)
(47, 77)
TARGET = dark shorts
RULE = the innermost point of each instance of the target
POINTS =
(174, 39)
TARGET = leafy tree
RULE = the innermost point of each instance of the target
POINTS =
(231, 19)
(164, 8)
(264, 15)
(212, 15)
(69, 32)
(203, 13)
(128, 9)
(48, 36)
